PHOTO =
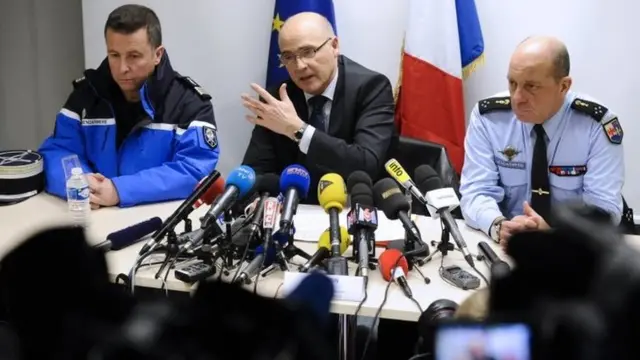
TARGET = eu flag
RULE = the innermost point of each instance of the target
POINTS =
(276, 73)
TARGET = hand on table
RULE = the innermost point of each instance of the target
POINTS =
(103, 192)
(276, 115)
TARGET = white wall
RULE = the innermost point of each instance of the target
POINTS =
(40, 54)
(224, 44)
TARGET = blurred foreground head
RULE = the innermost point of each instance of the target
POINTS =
(56, 294)
(577, 286)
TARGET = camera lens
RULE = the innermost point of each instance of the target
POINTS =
(438, 311)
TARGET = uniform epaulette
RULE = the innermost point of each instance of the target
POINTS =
(192, 84)
(493, 104)
(595, 110)
(611, 126)
(78, 81)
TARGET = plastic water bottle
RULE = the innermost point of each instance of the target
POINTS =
(78, 197)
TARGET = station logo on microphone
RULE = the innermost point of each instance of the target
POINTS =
(323, 184)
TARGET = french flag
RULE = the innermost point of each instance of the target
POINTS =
(443, 45)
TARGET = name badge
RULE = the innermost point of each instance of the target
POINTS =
(346, 288)
(520, 165)
(568, 170)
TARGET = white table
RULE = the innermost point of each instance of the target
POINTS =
(19, 221)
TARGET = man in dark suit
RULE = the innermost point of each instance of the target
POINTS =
(332, 115)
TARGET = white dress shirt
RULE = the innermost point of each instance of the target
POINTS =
(305, 142)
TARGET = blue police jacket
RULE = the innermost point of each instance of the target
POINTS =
(162, 158)
(584, 153)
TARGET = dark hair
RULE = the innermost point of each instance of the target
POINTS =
(130, 18)
(561, 63)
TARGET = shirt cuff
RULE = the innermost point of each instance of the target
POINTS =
(486, 218)
(305, 142)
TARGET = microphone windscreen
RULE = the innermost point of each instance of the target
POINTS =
(269, 183)
(361, 194)
(332, 192)
(358, 177)
(130, 235)
(297, 177)
(388, 259)
(269, 256)
(426, 179)
(242, 177)
(212, 193)
(314, 292)
(389, 198)
(325, 239)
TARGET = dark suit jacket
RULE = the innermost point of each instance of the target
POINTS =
(361, 126)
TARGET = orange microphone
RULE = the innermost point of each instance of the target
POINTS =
(211, 194)
(394, 267)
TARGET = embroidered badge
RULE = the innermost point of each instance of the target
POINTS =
(614, 131)
(509, 152)
(209, 136)
(568, 170)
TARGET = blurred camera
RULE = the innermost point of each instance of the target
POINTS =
(569, 296)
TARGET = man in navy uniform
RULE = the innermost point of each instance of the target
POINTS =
(143, 132)
(541, 143)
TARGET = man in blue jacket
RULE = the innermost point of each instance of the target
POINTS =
(143, 132)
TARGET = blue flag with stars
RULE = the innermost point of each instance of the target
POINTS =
(276, 73)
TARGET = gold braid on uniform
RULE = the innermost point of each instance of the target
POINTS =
(494, 104)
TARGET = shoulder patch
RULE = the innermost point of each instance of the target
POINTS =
(494, 104)
(595, 110)
(209, 136)
(202, 93)
(614, 132)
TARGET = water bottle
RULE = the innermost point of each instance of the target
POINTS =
(78, 197)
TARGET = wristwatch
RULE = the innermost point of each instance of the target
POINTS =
(494, 231)
(297, 136)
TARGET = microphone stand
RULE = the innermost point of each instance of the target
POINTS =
(410, 242)
(225, 247)
(444, 245)
(285, 254)
(171, 251)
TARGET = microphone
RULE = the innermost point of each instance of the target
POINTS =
(130, 235)
(239, 182)
(324, 249)
(362, 222)
(207, 189)
(332, 196)
(394, 267)
(260, 260)
(440, 202)
(498, 266)
(315, 293)
(266, 185)
(358, 177)
(270, 212)
(395, 205)
(294, 185)
(399, 174)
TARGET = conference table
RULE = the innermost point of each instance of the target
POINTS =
(19, 221)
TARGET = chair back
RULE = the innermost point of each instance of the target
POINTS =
(412, 153)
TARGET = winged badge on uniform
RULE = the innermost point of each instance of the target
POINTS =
(510, 152)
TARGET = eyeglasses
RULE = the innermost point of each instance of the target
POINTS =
(288, 58)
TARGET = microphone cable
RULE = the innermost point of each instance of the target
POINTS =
(384, 300)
